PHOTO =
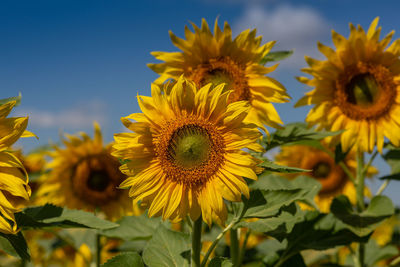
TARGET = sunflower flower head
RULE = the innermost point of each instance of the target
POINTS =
(14, 188)
(356, 89)
(331, 175)
(84, 175)
(185, 151)
(216, 58)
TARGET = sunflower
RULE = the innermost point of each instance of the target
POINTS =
(323, 168)
(216, 58)
(356, 89)
(84, 175)
(14, 188)
(34, 164)
(185, 152)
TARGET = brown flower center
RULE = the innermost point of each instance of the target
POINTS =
(321, 170)
(223, 70)
(324, 169)
(365, 91)
(96, 179)
(190, 150)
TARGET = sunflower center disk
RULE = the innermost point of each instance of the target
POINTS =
(190, 150)
(190, 147)
(321, 170)
(365, 92)
(218, 76)
(98, 181)
(362, 90)
(223, 70)
(96, 178)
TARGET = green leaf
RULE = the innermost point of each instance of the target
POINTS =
(269, 203)
(270, 166)
(270, 194)
(220, 262)
(134, 228)
(392, 157)
(296, 260)
(19, 245)
(6, 246)
(306, 188)
(270, 250)
(167, 248)
(296, 134)
(285, 219)
(9, 99)
(125, 259)
(50, 215)
(316, 231)
(375, 253)
(395, 176)
(364, 223)
(339, 154)
(275, 56)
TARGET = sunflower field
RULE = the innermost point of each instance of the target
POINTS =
(207, 174)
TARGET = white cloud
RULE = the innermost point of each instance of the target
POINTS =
(297, 28)
(80, 116)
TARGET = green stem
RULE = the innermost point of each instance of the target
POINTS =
(395, 261)
(243, 248)
(342, 165)
(234, 247)
(215, 242)
(360, 201)
(98, 250)
(382, 187)
(360, 181)
(347, 171)
(196, 242)
(370, 162)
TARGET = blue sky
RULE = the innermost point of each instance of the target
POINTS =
(79, 61)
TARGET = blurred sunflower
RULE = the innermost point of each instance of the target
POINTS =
(67, 256)
(14, 188)
(333, 179)
(185, 152)
(84, 175)
(356, 89)
(216, 58)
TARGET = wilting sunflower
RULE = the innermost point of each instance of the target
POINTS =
(357, 89)
(216, 58)
(185, 152)
(323, 168)
(84, 175)
(14, 188)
